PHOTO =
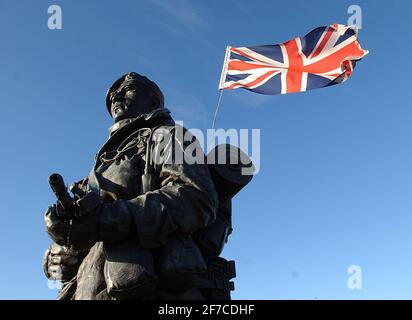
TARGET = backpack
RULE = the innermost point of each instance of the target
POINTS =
(228, 180)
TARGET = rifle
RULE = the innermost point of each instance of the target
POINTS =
(63, 197)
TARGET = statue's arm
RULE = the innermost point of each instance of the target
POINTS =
(184, 202)
(59, 262)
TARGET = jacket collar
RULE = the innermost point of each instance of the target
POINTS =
(144, 120)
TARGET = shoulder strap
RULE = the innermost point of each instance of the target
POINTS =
(148, 178)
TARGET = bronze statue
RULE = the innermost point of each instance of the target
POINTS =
(142, 225)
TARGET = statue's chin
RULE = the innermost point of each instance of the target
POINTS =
(119, 116)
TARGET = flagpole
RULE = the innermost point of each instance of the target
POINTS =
(221, 85)
(217, 108)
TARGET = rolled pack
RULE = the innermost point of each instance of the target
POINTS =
(231, 170)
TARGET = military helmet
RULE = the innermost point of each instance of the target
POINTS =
(135, 77)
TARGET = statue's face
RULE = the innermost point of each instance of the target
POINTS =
(129, 101)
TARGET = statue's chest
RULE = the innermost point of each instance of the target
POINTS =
(120, 170)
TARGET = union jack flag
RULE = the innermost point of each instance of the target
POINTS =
(324, 57)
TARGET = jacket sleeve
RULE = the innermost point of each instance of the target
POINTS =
(184, 201)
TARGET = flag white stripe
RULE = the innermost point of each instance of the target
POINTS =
(260, 58)
(264, 80)
(250, 79)
(324, 54)
(253, 71)
(304, 82)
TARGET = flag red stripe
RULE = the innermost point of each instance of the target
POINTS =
(323, 42)
(334, 60)
(243, 65)
(240, 52)
(259, 79)
(294, 73)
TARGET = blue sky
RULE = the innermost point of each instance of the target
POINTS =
(335, 177)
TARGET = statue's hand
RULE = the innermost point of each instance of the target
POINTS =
(56, 227)
(97, 222)
(60, 263)
(76, 234)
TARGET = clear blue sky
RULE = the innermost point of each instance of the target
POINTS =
(335, 182)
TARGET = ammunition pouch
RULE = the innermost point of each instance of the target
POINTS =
(180, 263)
(129, 270)
(216, 284)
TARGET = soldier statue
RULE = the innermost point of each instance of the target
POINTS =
(143, 224)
